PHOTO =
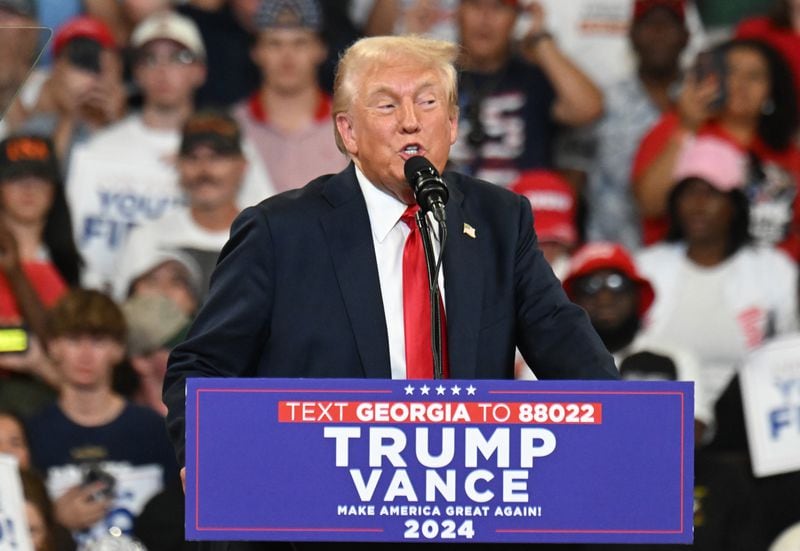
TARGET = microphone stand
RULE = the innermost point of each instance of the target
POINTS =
(434, 266)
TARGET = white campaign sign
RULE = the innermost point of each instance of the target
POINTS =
(109, 193)
(770, 380)
(14, 534)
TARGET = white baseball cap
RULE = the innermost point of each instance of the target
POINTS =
(168, 25)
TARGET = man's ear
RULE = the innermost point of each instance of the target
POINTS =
(344, 125)
(454, 126)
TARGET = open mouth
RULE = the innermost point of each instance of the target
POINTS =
(411, 150)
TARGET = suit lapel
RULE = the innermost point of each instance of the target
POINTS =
(463, 289)
(347, 231)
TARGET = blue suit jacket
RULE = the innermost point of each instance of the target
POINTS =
(296, 294)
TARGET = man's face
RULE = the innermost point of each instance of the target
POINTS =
(169, 279)
(168, 73)
(399, 110)
(658, 39)
(609, 297)
(76, 82)
(485, 28)
(210, 179)
(87, 361)
(289, 58)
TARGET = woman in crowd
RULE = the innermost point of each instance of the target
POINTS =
(780, 29)
(46, 535)
(34, 222)
(717, 294)
(38, 256)
(744, 94)
(13, 441)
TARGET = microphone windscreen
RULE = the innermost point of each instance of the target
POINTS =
(415, 165)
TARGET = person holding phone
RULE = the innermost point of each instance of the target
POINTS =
(84, 92)
(743, 93)
(38, 262)
(103, 456)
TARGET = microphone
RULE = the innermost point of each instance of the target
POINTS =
(429, 188)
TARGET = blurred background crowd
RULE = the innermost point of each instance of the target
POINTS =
(657, 141)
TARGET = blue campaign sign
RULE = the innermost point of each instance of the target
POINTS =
(439, 461)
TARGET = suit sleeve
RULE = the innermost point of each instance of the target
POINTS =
(554, 335)
(232, 328)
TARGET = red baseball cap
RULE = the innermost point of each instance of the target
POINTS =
(554, 204)
(83, 27)
(643, 7)
(597, 256)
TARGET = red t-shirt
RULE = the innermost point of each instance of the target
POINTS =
(45, 280)
(654, 142)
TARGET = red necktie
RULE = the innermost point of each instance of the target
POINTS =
(417, 306)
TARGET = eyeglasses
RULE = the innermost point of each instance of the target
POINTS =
(181, 57)
(593, 284)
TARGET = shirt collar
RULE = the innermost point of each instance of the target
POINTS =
(259, 112)
(383, 209)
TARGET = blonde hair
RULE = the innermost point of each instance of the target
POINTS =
(372, 52)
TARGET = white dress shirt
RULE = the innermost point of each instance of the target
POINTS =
(389, 235)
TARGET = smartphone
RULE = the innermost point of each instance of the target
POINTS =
(93, 473)
(13, 340)
(84, 54)
(712, 63)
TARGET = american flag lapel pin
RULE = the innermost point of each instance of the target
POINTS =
(470, 231)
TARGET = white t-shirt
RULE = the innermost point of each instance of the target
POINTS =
(125, 176)
(702, 320)
(594, 34)
(175, 231)
(722, 312)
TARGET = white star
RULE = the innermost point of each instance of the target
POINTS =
(471, 390)
(424, 389)
(456, 390)
(440, 390)
(409, 390)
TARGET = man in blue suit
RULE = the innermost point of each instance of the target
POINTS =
(310, 284)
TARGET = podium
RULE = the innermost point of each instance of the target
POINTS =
(439, 461)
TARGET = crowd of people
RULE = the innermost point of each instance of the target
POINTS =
(661, 159)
